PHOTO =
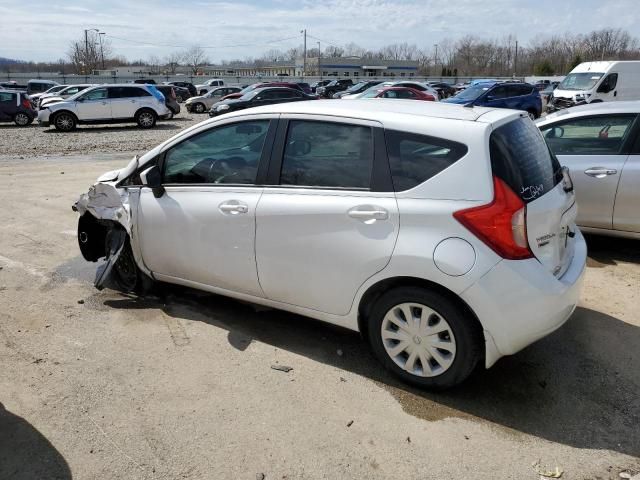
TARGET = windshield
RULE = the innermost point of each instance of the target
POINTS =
(473, 93)
(580, 81)
(371, 93)
(249, 95)
(356, 87)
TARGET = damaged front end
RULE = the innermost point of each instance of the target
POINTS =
(104, 231)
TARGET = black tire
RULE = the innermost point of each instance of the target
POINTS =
(466, 332)
(21, 119)
(199, 108)
(126, 274)
(64, 121)
(146, 118)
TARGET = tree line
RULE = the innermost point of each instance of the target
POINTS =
(467, 56)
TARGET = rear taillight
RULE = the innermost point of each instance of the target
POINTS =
(500, 224)
(26, 103)
(173, 94)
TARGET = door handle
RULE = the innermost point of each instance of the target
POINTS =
(371, 213)
(600, 172)
(233, 208)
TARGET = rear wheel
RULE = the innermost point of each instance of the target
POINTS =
(199, 108)
(424, 337)
(22, 119)
(64, 122)
(179, 99)
(146, 119)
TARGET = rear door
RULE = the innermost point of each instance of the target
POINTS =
(323, 225)
(521, 158)
(8, 105)
(594, 149)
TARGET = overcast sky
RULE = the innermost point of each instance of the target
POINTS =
(42, 30)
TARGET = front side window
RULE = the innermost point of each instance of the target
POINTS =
(416, 158)
(97, 94)
(498, 93)
(225, 155)
(599, 135)
(325, 154)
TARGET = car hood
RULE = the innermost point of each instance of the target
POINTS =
(457, 101)
(195, 99)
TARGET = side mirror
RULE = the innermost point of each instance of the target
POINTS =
(555, 132)
(152, 178)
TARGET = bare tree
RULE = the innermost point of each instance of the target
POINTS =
(172, 62)
(86, 53)
(195, 57)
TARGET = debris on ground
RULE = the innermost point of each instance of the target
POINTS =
(408, 439)
(557, 473)
(282, 368)
(342, 379)
(350, 423)
(80, 302)
(260, 476)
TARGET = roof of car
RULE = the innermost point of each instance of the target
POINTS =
(594, 108)
(376, 109)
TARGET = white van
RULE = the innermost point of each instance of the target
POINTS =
(592, 82)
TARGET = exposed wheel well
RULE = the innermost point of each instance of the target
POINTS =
(375, 291)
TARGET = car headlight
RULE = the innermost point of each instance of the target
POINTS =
(222, 108)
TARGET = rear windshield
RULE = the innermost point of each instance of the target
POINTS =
(520, 157)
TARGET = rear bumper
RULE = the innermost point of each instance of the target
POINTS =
(519, 301)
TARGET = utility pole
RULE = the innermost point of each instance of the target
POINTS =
(319, 58)
(86, 50)
(515, 61)
(304, 58)
(101, 49)
(435, 59)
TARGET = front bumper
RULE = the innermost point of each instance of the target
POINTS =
(43, 117)
(520, 301)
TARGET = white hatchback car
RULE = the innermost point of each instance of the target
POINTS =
(142, 104)
(444, 234)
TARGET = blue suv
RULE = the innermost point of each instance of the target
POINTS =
(515, 95)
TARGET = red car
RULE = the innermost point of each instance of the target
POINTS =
(250, 88)
(399, 92)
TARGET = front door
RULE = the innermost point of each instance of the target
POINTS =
(203, 228)
(321, 230)
(94, 105)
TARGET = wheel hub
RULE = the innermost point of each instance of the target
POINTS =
(418, 339)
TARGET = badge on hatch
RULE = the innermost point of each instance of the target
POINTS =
(545, 239)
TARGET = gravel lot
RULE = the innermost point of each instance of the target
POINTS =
(99, 385)
(36, 140)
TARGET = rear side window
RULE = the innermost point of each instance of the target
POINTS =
(8, 98)
(127, 92)
(414, 159)
(325, 154)
(520, 157)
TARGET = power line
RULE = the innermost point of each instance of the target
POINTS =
(207, 46)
